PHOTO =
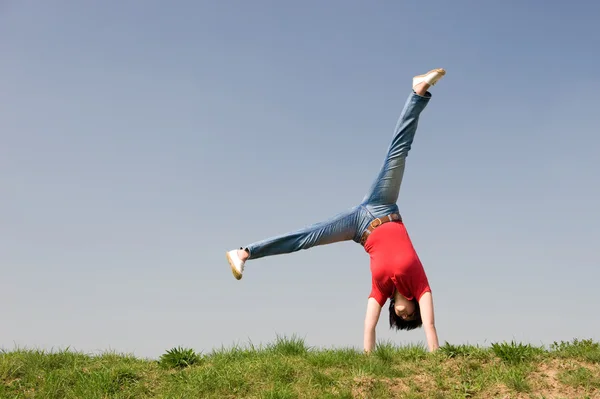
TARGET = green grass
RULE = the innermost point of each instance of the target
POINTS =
(288, 368)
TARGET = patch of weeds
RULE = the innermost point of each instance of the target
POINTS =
(293, 346)
(585, 349)
(385, 352)
(63, 359)
(515, 353)
(178, 358)
(235, 359)
(412, 352)
(235, 353)
(451, 351)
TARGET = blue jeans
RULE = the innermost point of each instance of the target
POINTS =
(379, 201)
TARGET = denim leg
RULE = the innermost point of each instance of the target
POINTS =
(341, 227)
(383, 193)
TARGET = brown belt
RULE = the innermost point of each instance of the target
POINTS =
(376, 223)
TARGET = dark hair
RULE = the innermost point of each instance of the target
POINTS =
(399, 323)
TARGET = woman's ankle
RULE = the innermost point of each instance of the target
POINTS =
(243, 254)
(421, 88)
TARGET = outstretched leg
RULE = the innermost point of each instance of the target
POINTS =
(341, 227)
(386, 187)
(384, 192)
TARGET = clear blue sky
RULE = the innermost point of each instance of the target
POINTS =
(139, 143)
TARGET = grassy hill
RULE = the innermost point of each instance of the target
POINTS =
(287, 368)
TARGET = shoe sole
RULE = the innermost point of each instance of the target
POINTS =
(236, 274)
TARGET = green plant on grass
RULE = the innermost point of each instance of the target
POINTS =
(293, 346)
(385, 351)
(515, 353)
(450, 351)
(235, 353)
(413, 353)
(178, 358)
(585, 349)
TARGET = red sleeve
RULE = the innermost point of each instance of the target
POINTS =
(424, 290)
(377, 294)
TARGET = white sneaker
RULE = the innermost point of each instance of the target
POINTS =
(430, 77)
(237, 265)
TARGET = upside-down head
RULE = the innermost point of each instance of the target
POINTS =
(405, 317)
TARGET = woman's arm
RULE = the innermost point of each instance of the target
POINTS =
(426, 305)
(371, 319)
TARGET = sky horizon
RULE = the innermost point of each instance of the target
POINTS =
(139, 144)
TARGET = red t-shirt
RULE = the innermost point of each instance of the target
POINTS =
(394, 264)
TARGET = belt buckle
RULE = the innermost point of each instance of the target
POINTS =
(376, 225)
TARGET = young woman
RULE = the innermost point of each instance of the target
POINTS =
(396, 271)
